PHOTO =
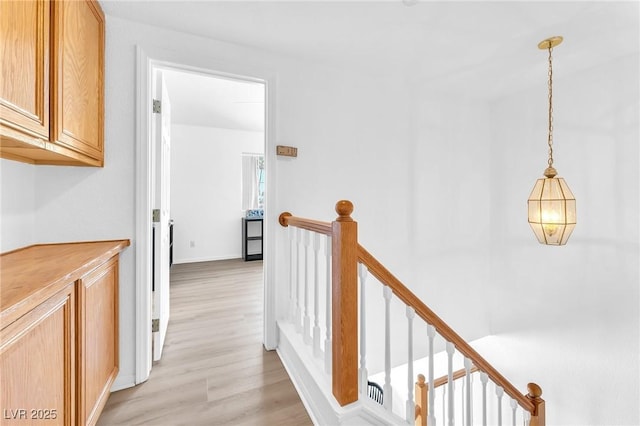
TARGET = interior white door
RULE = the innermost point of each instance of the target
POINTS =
(162, 141)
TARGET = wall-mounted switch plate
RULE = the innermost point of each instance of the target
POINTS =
(287, 151)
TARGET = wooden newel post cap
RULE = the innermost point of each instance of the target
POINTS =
(283, 218)
(534, 390)
(344, 208)
(421, 379)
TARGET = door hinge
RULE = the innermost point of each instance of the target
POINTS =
(156, 215)
(157, 106)
(155, 325)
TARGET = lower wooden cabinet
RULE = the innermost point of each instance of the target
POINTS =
(59, 332)
(97, 339)
(37, 360)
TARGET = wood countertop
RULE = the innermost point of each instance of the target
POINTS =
(30, 275)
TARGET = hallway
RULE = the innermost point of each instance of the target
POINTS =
(214, 369)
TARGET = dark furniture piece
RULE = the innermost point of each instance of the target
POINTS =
(170, 243)
(252, 232)
(375, 392)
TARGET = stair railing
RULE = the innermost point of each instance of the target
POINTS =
(345, 261)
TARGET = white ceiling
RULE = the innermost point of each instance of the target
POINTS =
(479, 48)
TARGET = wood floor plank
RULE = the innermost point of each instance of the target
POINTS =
(214, 369)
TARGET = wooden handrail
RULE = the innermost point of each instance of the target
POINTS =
(403, 293)
(285, 219)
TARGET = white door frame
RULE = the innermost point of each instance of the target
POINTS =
(145, 64)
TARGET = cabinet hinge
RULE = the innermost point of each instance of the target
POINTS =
(157, 106)
(155, 325)
(155, 215)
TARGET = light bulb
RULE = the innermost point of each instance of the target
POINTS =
(550, 219)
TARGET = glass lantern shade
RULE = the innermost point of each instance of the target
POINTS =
(552, 211)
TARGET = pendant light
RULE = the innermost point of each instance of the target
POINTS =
(552, 206)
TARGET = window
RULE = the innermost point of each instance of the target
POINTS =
(253, 181)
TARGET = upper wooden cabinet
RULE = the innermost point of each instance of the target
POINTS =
(52, 87)
(24, 62)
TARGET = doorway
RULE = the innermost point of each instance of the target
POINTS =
(217, 124)
(245, 86)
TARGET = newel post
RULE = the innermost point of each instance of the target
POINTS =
(538, 415)
(422, 409)
(344, 302)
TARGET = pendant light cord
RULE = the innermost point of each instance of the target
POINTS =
(550, 137)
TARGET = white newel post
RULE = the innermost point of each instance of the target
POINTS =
(387, 398)
(316, 296)
(327, 340)
(364, 375)
(411, 405)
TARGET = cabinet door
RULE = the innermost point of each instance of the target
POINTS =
(78, 77)
(24, 62)
(37, 364)
(98, 339)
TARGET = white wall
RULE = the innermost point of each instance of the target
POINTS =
(206, 190)
(17, 205)
(452, 209)
(446, 252)
(567, 317)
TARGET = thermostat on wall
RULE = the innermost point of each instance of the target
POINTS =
(287, 151)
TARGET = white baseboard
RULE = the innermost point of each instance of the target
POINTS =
(207, 258)
(123, 382)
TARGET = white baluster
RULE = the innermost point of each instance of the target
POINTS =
(327, 340)
(484, 378)
(387, 348)
(431, 419)
(364, 375)
(298, 281)
(316, 295)
(292, 300)
(527, 418)
(411, 404)
(499, 393)
(444, 405)
(307, 319)
(450, 350)
(514, 407)
(472, 381)
(467, 391)
(462, 401)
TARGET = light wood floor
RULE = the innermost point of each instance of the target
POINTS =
(214, 369)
